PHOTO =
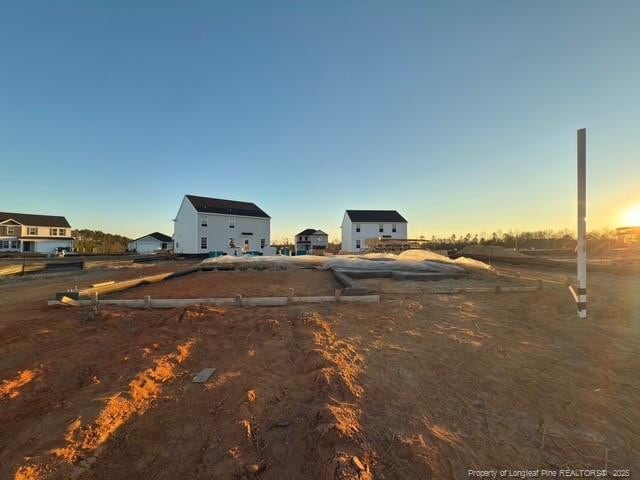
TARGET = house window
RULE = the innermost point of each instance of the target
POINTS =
(232, 222)
(203, 243)
(246, 245)
(357, 227)
(358, 244)
(53, 232)
(14, 244)
(11, 230)
(163, 246)
(203, 221)
(32, 230)
(381, 228)
(306, 238)
(232, 243)
(177, 245)
(263, 242)
(62, 232)
(4, 243)
(393, 228)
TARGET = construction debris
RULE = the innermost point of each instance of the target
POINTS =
(204, 375)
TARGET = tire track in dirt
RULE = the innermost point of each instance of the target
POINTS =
(10, 388)
(335, 437)
(83, 441)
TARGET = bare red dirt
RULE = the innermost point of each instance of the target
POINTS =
(231, 283)
(418, 386)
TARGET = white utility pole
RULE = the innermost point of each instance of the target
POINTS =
(582, 224)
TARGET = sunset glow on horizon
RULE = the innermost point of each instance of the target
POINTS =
(631, 216)
(463, 120)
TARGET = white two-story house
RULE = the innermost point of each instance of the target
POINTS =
(25, 232)
(312, 241)
(205, 225)
(360, 225)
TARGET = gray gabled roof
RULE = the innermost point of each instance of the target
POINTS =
(226, 207)
(311, 231)
(36, 220)
(376, 216)
(158, 236)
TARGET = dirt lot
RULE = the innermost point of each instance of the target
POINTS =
(248, 283)
(418, 386)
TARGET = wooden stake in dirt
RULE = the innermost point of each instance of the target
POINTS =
(582, 224)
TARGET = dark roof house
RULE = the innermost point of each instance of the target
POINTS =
(311, 231)
(376, 216)
(226, 207)
(158, 236)
(29, 219)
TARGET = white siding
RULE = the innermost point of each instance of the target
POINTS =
(9, 241)
(189, 230)
(51, 246)
(185, 229)
(148, 244)
(39, 242)
(368, 230)
(219, 232)
(315, 241)
(346, 233)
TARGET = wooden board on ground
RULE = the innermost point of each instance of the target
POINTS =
(70, 301)
(238, 301)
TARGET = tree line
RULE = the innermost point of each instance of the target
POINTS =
(520, 240)
(97, 242)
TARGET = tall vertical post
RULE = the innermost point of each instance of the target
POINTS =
(582, 223)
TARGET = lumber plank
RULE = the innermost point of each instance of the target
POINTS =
(248, 301)
(70, 301)
(126, 284)
(361, 299)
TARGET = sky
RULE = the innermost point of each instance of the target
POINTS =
(462, 115)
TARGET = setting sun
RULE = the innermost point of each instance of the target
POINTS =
(631, 216)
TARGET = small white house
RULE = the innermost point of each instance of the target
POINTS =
(25, 232)
(205, 225)
(154, 242)
(312, 241)
(360, 225)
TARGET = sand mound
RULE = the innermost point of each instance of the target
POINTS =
(411, 260)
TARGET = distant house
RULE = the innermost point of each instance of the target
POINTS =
(25, 232)
(312, 241)
(153, 242)
(205, 225)
(360, 225)
(628, 234)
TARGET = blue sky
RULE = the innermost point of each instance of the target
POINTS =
(461, 115)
